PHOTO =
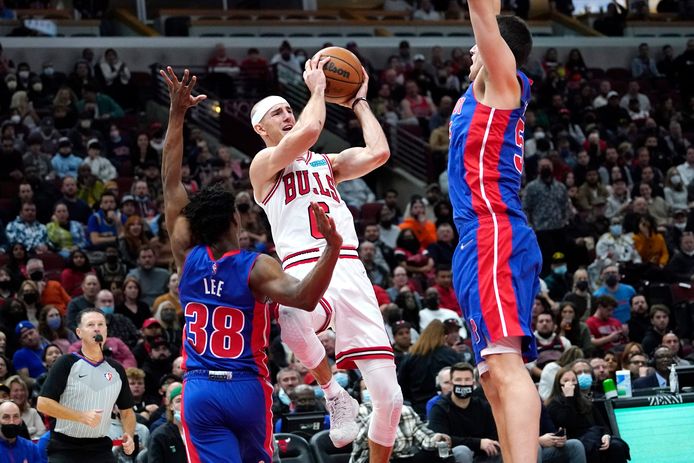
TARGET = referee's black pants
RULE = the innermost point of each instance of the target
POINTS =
(67, 449)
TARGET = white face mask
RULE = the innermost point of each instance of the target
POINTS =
(37, 87)
(676, 179)
(23, 74)
(680, 226)
(15, 119)
(12, 84)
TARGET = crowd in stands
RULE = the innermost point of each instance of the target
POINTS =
(609, 170)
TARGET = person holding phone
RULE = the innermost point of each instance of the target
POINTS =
(555, 446)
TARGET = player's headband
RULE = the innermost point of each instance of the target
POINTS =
(264, 106)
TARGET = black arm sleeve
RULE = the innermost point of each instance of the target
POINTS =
(56, 380)
(125, 398)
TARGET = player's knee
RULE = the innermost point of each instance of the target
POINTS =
(295, 325)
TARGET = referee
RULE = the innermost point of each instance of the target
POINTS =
(80, 391)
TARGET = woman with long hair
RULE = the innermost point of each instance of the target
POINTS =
(132, 237)
(650, 243)
(419, 368)
(5, 368)
(675, 191)
(166, 315)
(65, 235)
(571, 327)
(29, 294)
(571, 410)
(550, 370)
(50, 354)
(6, 286)
(17, 263)
(410, 254)
(132, 306)
(19, 394)
(76, 268)
(52, 328)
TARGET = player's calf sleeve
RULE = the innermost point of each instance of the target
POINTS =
(298, 333)
(386, 397)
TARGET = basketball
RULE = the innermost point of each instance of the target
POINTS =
(343, 74)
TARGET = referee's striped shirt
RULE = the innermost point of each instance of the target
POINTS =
(82, 385)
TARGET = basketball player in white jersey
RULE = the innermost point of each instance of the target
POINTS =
(286, 177)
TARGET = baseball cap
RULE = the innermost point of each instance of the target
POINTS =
(612, 93)
(400, 324)
(451, 324)
(23, 325)
(149, 322)
(94, 143)
(124, 200)
(558, 258)
(419, 57)
(64, 141)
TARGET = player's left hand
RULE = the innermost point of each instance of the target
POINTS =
(326, 226)
(361, 93)
(180, 90)
(128, 444)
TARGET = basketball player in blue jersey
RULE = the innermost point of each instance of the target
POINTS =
(227, 398)
(497, 263)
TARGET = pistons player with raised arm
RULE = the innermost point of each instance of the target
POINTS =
(286, 178)
(497, 263)
(227, 398)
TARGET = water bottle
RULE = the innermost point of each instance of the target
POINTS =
(674, 380)
(609, 388)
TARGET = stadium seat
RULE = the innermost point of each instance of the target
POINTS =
(53, 264)
(124, 185)
(621, 74)
(177, 26)
(326, 452)
(293, 449)
(8, 189)
(597, 73)
(370, 213)
(5, 208)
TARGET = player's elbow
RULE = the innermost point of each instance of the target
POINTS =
(41, 405)
(382, 155)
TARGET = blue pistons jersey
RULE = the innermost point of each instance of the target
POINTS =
(226, 329)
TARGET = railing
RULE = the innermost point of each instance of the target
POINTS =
(409, 152)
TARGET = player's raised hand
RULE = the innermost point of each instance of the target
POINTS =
(313, 73)
(326, 226)
(180, 90)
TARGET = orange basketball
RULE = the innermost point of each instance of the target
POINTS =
(343, 74)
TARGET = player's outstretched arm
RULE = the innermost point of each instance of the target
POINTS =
(495, 53)
(268, 280)
(175, 195)
(357, 161)
(302, 136)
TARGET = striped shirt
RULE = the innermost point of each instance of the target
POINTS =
(79, 384)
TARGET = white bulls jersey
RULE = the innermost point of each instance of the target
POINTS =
(287, 205)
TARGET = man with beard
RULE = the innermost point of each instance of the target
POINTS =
(157, 364)
(77, 209)
(639, 323)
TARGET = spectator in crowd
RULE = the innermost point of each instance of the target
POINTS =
(27, 359)
(444, 387)
(643, 65)
(426, 12)
(443, 283)
(100, 166)
(255, 73)
(423, 229)
(415, 108)
(569, 409)
(28, 231)
(304, 400)
(675, 191)
(37, 158)
(378, 273)
(356, 193)
(580, 294)
(100, 105)
(287, 66)
(50, 292)
(570, 326)
(165, 313)
(633, 91)
(606, 331)
(402, 339)
(13, 165)
(16, 447)
(432, 310)
(77, 209)
(131, 306)
(621, 293)
(19, 394)
(466, 418)
(90, 188)
(660, 321)
(133, 237)
(65, 162)
(682, 263)
(113, 75)
(76, 268)
(171, 295)
(550, 370)
(672, 341)
(145, 405)
(417, 371)
(663, 358)
(118, 325)
(649, 243)
(113, 271)
(415, 441)
(637, 364)
(104, 225)
(90, 288)
(52, 328)
(287, 380)
(153, 280)
(616, 246)
(558, 283)
(166, 442)
(442, 250)
(639, 322)
(64, 235)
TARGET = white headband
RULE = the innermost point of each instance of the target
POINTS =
(264, 106)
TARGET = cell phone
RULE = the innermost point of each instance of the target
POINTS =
(561, 432)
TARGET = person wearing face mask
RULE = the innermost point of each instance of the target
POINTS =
(546, 204)
(675, 190)
(287, 380)
(616, 245)
(50, 292)
(467, 419)
(15, 447)
(682, 263)
(558, 282)
(432, 311)
(166, 442)
(580, 295)
(621, 293)
(165, 313)
(303, 400)
(52, 328)
(119, 326)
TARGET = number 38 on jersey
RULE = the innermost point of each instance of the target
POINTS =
(215, 330)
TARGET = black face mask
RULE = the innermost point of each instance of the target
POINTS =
(30, 298)
(432, 303)
(582, 285)
(243, 207)
(6, 284)
(36, 275)
(112, 259)
(611, 280)
(10, 431)
(462, 392)
(546, 174)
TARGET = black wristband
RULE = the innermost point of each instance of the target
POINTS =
(357, 100)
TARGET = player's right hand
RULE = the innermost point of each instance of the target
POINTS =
(326, 226)
(313, 73)
(180, 90)
(92, 418)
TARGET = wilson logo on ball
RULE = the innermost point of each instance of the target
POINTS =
(330, 66)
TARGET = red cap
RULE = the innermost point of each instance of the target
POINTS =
(149, 322)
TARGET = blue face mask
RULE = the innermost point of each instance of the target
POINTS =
(177, 416)
(616, 229)
(585, 381)
(53, 323)
(284, 398)
(365, 396)
(561, 270)
(108, 310)
(341, 378)
(320, 393)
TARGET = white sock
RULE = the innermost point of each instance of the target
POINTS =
(332, 389)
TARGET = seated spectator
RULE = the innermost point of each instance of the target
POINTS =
(675, 191)
(13, 166)
(287, 66)
(442, 250)
(682, 263)
(132, 237)
(571, 327)
(165, 314)
(145, 206)
(170, 296)
(426, 12)
(153, 280)
(12, 444)
(660, 320)
(131, 306)
(616, 246)
(19, 394)
(102, 106)
(77, 209)
(100, 166)
(643, 66)
(550, 344)
(672, 341)
(76, 268)
(650, 243)
(50, 292)
(466, 418)
(417, 371)
(113, 75)
(27, 359)
(432, 311)
(550, 370)
(355, 193)
(606, 331)
(166, 442)
(443, 283)
(28, 231)
(90, 288)
(444, 387)
(423, 229)
(637, 364)
(591, 190)
(558, 283)
(287, 380)
(65, 235)
(145, 405)
(113, 271)
(415, 108)
(569, 409)
(118, 325)
(104, 225)
(90, 188)
(255, 72)
(621, 293)
(377, 273)
(65, 163)
(52, 328)
(663, 358)
(415, 441)
(303, 400)
(402, 339)
(37, 158)
(580, 294)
